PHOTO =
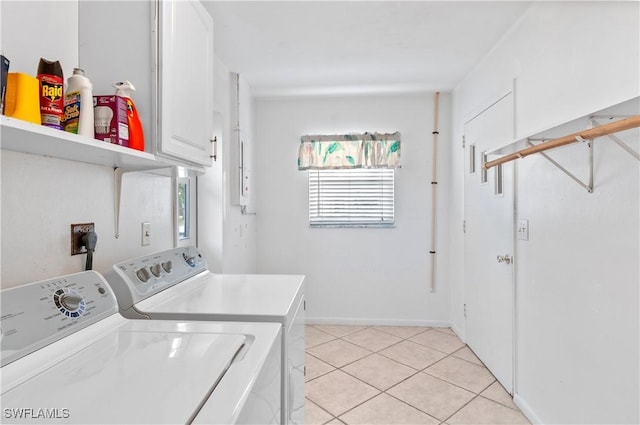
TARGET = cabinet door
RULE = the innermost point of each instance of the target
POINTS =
(185, 92)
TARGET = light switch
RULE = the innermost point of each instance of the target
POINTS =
(523, 230)
(146, 234)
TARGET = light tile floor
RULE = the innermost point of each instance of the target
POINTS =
(386, 375)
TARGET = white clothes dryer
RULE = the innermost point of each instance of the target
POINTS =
(68, 356)
(177, 285)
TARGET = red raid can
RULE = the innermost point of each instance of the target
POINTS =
(51, 93)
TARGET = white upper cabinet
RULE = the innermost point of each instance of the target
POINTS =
(185, 92)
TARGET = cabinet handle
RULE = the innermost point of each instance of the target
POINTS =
(214, 148)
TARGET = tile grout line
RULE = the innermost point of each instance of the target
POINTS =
(417, 371)
(337, 417)
(475, 395)
(454, 384)
(321, 408)
(498, 402)
(473, 398)
(322, 374)
(379, 391)
(412, 406)
(466, 389)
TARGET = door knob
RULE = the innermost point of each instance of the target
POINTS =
(505, 259)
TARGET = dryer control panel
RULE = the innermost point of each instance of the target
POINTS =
(37, 314)
(139, 278)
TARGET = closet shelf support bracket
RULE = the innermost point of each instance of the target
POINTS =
(618, 142)
(587, 186)
(118, 173)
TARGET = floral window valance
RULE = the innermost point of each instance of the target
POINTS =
(368, 150)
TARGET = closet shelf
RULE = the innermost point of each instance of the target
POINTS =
(580, 136)
(604, 123)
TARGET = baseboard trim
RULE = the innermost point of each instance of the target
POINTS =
(526, 410)
(375, 322)
(458, 332)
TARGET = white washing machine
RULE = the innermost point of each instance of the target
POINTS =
(68, 356)
(176, 285)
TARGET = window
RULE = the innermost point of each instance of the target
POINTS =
(356, 197)
(183, 208)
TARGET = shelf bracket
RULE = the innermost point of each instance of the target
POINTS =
(589, 185)
(618, 142)
(118, 173)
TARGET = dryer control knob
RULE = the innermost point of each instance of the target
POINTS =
(71, 301)
(190, 260)
(156, 270)
(168, 266)
(143, 275)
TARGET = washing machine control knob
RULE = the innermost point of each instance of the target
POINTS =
(71, 301)
(168, 266)
(156, 269)
(143, 275)
(190, 260)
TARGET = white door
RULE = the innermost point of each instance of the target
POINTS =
(489, 242)
(186, 81)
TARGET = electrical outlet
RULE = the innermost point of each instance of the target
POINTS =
(145, 237)
(523, 230)
(77, 232)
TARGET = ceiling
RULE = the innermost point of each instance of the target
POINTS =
(340, 47)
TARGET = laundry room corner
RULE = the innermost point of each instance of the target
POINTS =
(356, 275)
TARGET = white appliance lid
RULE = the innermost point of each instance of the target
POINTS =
(128, 376)
(257, 296)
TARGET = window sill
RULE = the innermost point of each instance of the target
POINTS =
(352, 226)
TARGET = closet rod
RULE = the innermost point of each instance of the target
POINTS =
(591, 133)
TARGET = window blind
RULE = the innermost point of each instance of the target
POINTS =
(351, 197)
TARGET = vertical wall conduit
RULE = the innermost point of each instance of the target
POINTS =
(434, 194)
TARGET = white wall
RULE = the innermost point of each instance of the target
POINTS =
(240, 229)
(211, 193)
(375, 275)
(577, 332)
(226, 236)
(41, 197)
(23, 22)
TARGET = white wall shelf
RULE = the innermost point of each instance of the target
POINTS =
(26, 137)
(22, 136)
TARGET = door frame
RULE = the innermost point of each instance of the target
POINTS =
(514, 216)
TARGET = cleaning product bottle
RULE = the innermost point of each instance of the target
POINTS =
(136, 133)
(51, 99)
(78, 105)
